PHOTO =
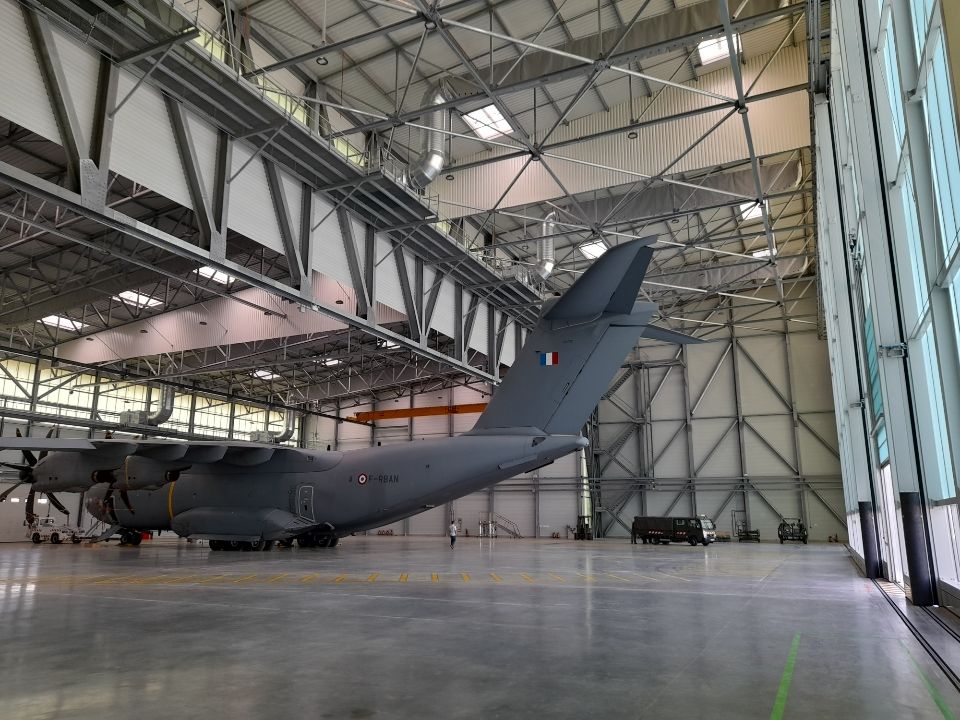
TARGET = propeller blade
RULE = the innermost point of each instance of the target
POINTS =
(6, 493)
(126, 501)
(43, 453)
(27, 455)
(55, 501)
(30, 515)
(15, 466)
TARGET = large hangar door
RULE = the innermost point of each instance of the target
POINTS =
(305, 502)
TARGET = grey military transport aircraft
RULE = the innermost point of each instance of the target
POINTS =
(241, 495)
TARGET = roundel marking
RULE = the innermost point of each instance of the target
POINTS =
(362, 479)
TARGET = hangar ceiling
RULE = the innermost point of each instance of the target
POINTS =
(626, 119)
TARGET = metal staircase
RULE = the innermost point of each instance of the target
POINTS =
(507, 525)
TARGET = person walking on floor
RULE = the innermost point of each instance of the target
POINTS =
(453, 534)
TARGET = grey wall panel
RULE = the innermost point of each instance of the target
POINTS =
(516, 501)
(23, 97)
(765, 519)
(205, 141)
(761, 460)
(444, 318)
(478, 338)
(711, 385)
(716, 448)
(558, 509)
(328, 253)
(388, 291)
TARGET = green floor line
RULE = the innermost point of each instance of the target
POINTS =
(781, 702)
(931, 688)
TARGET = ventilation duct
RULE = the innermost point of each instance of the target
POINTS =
(545, 256)
(265, 436)
(428, 165)
(141, 417)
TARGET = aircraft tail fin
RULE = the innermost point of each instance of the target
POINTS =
(582, 338)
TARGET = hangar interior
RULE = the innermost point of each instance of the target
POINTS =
(332, 224)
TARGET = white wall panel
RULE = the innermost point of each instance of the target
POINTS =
(478, 338)
(430, 522)
(20, 77)
(444, 317)
(388, 291)
(205, 141)
(248, 213)
(470, 510)
(81, 69)
(328, 253)
(144, 148)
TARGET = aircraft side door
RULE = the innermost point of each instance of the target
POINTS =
(305, 502)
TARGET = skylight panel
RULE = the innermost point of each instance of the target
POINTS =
(218, 276)
(265, 375)
(716, 49)
(750, 210)
(330, 362)
(487, 122)
(136, 299)
(764, 253)
(593, 249)
(64, 323)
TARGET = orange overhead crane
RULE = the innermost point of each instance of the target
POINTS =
(404, 413)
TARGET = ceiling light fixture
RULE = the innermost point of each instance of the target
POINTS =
(321, 60)
(751, 210)
(265, 375)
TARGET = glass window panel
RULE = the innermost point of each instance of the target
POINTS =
(912, 223)
(943, 144)
(942, 486)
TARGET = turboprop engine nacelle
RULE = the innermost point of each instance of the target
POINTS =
(143, 473)
(67, 472)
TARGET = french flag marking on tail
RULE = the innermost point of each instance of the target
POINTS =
(550, 358)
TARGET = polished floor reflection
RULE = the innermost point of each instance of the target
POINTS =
(388, 627)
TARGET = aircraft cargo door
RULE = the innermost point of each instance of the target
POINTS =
(305, 502)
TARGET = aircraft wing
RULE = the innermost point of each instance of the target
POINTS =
(204, 451)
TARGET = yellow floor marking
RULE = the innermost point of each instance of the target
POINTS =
(527, 577)
(277, 578)
(373, 577)
(617, 577)
(210, 580)
(112, 580)
(646, 577)
(179, 579)
(465, 576)
(588, 578)
(675, 577)
(340, 578)
(146, 580)
(245, 578)
(435, 577)
(495, 577)
(309, 578)
(558, 578)
(403, 577)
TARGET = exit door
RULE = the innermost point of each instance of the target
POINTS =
(305, 502)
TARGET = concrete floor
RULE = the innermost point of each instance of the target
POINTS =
(385, 627)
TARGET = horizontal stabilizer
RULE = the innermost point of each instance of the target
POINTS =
(609, 285)
(669, 336)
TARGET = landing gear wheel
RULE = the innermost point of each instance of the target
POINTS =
(287, 543)
(256, 545)
(135, 538)
(234, 545)
(126, 538)
(36, 538)
(55, 538)
(215, 545)
(333, 541)
(305, 541)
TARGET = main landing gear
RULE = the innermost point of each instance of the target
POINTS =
(312, 540)
(130, 537)
(254, 546)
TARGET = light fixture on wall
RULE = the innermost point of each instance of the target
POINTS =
(322, 60)
(632, 135)
(449, 176)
